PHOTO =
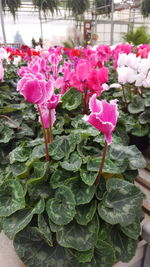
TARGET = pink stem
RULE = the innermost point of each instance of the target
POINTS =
(44, 134)
(101, 164)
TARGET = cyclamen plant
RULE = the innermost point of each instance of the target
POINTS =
(80, 206)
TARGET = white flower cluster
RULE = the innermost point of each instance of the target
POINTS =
(133, 69)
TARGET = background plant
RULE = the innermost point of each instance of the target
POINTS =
(138, 36)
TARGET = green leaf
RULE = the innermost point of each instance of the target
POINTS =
(61, 208)
(104, 255)
(38, 191)
(74, 163)
(12, 197)
(38, 152)
(54, 227)
(82, 192)
(144, 117)
(24, 131)
(20, 154)
(88, 177)
(124, 246)
(6, 134)
(11, 108)
(147, 101)
(130, 175)
(84, 256)
(137, 105)
(71, 99)
(33, 251)
(45, 230)
(119, 153)
(139, 130)
(121, 202)
(59, 177)
(20, 219)
(39, 172)
(58, 126)
(110, 166)
(85, 213)
(132, 230)
(81, 238)
(58, 148)
(20, 170)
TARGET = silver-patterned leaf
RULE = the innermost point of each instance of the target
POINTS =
(11, 197)
(79, 237)
(121, 202)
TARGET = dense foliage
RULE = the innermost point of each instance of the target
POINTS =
(54, 210)
(138, 36)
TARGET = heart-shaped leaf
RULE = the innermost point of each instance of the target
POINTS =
(71, 99)
(132, 230)
(85, 213)
(110, 165)
(137, 105)
(12, 197)
(74, 163)
(20, 219)
(139, 130)
(84, 256)
(145, 117)
(20, 154)
(6, 134)
(82, 192)
(124, 246)
(120, 153)
(59, 177)
(81, 238)
(121, 202)
(44, 230)
(33, 251)
(61, 208)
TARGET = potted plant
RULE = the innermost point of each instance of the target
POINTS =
(71, 200)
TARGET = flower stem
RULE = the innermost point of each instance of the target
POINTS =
(85, 109)
(101, 164)
(44, 134)
(50, 128)
(124, 96)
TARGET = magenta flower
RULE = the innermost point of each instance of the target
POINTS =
(96, 78)
(35, 89)
(103, 116)
(53, 102)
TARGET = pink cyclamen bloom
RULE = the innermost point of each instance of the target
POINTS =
(48, 116)
(35, 90)
(103, 116)
(53, 102)
(1, 71)
(96, 78)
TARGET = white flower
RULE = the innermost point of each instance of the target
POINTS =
(17, 60)
(122, 60)
(3, 54)
(126, 75)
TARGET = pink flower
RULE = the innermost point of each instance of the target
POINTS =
(103, 116)
(103, 53)
(1, 71)
(34, 89)
(96, 78)
(53, 102)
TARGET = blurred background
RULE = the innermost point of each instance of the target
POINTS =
(74, 22)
